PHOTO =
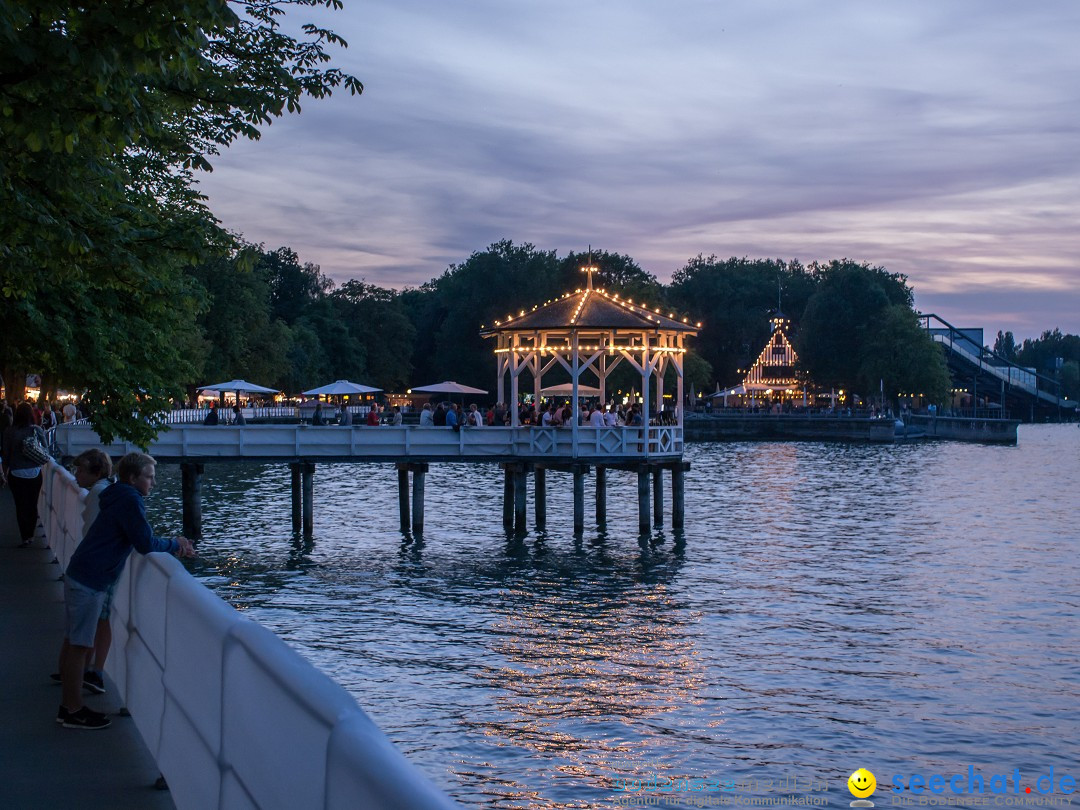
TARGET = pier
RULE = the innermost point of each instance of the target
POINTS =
(521, 452)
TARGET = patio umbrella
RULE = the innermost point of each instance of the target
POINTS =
(567, 389)
(341, 387)
(237, 387)
(448, 387)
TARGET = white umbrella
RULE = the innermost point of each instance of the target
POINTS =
(341, 387)
(567, 389)
(237, 387)
(448, 387)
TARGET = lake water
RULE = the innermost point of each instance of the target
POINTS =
(907, 609)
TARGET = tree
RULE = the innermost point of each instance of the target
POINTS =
(840, 319)
(1005, 345)
(106, 111)
(899, 356)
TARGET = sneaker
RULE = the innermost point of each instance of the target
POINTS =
(25, 544)
(92, 682)
(83, 718)
(56, 677)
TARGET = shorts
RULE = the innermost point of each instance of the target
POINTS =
(82, 607)
(106, 607)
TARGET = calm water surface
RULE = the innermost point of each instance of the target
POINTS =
(909, 609)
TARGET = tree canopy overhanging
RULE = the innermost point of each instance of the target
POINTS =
(107, 111)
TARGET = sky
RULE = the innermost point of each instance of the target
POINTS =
(936, 138)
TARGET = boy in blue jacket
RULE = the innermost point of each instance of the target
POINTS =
(121, 526)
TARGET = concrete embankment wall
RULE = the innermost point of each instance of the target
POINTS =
(781, 426)
(233, 716)
(995, 431)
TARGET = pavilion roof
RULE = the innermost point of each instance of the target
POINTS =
(591, 309)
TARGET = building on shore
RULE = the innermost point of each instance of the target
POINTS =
(772, 379)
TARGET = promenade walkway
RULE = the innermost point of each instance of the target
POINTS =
(43, 765)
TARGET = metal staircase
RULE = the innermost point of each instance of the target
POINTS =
(1022, 390)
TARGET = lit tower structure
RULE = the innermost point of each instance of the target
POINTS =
(773, 373)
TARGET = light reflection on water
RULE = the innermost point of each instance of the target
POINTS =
(830, 606)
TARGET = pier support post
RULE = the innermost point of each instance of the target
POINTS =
(540, 496)
(644, 523)
(520, 499)
(297, 497)
(191, 498)
(403, 496)
(601, 496)
(307, 471)
(658, 495)
(508, 496)
(419, 478)
(579, 498)
(678, 495)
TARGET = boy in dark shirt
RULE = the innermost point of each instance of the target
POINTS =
(120, 526)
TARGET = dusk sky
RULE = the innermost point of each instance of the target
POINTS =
(940, 139)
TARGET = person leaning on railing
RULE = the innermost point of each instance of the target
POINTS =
(121, 526)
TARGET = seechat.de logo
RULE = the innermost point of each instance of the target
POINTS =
(862, 784)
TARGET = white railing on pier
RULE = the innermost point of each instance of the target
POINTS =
(233, 716)
(400, 442)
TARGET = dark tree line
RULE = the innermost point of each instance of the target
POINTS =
(283, 323)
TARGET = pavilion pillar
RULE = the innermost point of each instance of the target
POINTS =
(678, 495)
(307, 472)
(403, 496)
(419, 480)
(658, 495)
(508, 497)
(580, 471)
(601, 496)
(297, 498)
(644, 523)
(191, 499)
(540, 496)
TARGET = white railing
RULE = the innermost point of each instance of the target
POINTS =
(233, 716)
(391, 443)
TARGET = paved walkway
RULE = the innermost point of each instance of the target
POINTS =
(42, 764)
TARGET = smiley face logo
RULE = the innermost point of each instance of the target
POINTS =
(862, 783)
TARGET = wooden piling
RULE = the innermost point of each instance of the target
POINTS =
(191, 499)
(419, 477)
(658, 495)
(307, 471)
(508, 496)
(297, 496)
(520, 499)
(403, 496)
(540, 496)
(601, 496)
(579, 498)
(678, 495)
(644, 523)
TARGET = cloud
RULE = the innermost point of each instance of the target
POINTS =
(936, 139)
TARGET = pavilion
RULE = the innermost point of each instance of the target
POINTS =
(589, 333)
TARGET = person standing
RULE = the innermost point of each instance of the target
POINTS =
(92, 469)
(427, 419)
(23, 473)
(121, 526)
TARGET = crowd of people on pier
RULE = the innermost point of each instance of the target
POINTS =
(546, 413)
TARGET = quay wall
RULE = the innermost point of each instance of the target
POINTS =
(741, 426)
(959, 428)
(234, 717)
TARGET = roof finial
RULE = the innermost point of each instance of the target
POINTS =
(588, 270)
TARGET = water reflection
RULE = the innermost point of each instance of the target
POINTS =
(907, 604)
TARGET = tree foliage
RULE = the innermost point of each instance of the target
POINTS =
(106, 111)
